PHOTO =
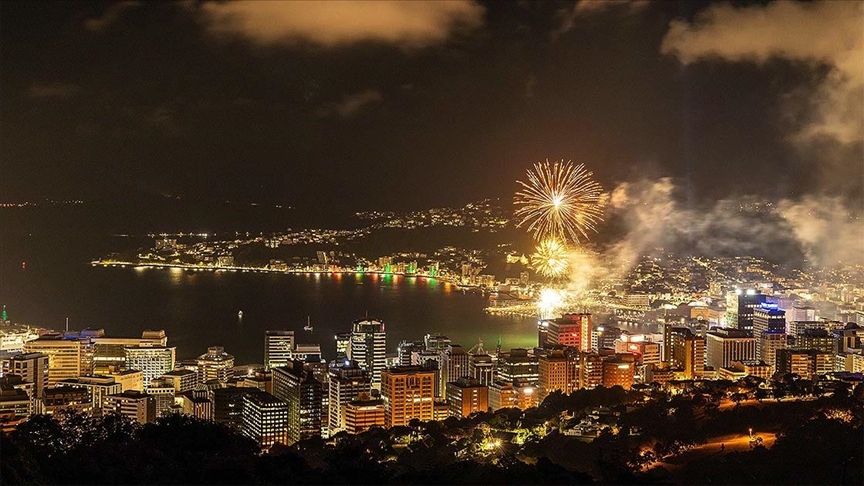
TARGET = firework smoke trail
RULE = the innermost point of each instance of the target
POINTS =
(551, 258)
(559, 201)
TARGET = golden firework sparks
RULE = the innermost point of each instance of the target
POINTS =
(560, 200)
(551, 258)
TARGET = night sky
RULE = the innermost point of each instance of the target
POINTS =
(410, 105)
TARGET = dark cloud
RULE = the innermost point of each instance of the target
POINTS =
(111, 15)
(52, 90)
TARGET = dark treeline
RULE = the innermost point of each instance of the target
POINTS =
(819, 441)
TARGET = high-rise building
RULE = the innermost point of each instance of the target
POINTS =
(769, 343)
(15, 404)
(408, 393)
(278, 348)
(134, 404)
(343, 343)
(466, 396)
(557, 373)
(406, 350)
(518, 365)
(228, 405)
(806, 363)
(296, 385)
(481, 367)
(369, 347)
(216, 364)
(767, 318)
(153, 361)
(129, 379)
(98, 388)
(512, 395)
(740, 307)
(32, 368)
(182, 380)
(363, 413)
(726, 345)
(454, 364)
(163, 393)
(348, 381)
(67, 357)
(589, 371)
(109, 352)
(572, 330)
(264, 418)
(619, 370)
(818, 339)
(436, 342)
(686, 352)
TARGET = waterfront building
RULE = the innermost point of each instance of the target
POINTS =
(278, 348)
(264, 418)
(68, 357)
(572, 330)
(408, 392)
(466, 396)
(153, 361)
(296, 385)
(726, 345)
(133, 404)
(347, 382)
(436, 342)
(216, 364)
(109, 352)
(369, 347)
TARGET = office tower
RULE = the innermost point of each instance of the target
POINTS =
(408, 393)
(363, 413)
(799, 313)
(296, 385)
(343, 342)
(769, 343)
(511, 395)
(278, 346)
(818, 339)
(481, 367)
(767, 318)
(726, 345)
(196, 403)
(15, 403)
(152, 361)
(67, 357)
(264, 418)
(740, 307)
(454, 364)
(348, 381)
(163, 393)
(369, 347)
(589, 371)
(32, 368)
(466, 396)
(129, 379)
(182, 380)
(619, 370)
(98, 388)
(518, 365)
(647, 352)
(686, 352)
(806, 363)
(557, 373)
(228, 405)
(307, 352)
(572, 330)
(133, 404)
(406, 350)
(109, 352)
(216, 364)
(436, 342)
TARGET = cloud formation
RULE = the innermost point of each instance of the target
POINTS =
(352, 104)
(583, 8)
(112, 14)
(825, 32)
(51, 90)
(339, 22)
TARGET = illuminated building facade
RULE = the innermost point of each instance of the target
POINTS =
(153, 361)
(368, 347)
(408, 392)
(216, 364)
(67, 357)
(466, 396)
(133, 404)
(278, 348)
(348, 381)
(557, 372)
(264, 418)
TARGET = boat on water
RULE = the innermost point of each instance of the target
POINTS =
(240, 314)
(308, 326)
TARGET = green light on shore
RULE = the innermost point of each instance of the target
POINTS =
(5, 315)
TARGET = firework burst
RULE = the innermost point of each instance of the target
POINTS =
(551, 258)
(560, 201)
